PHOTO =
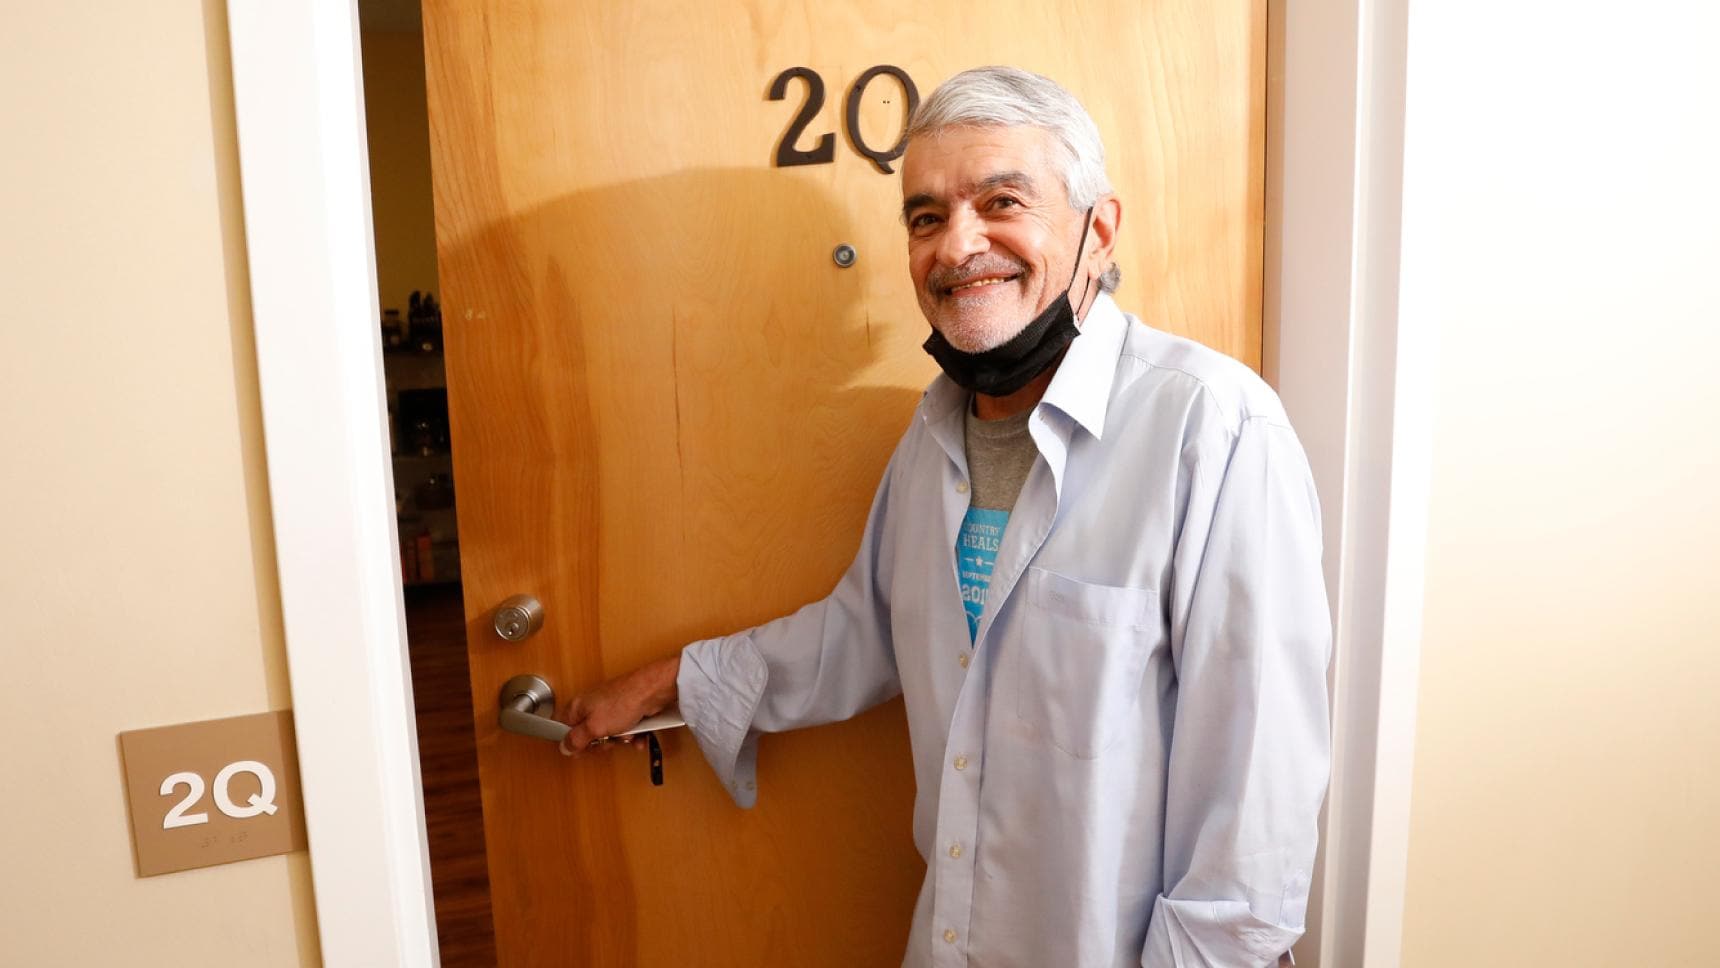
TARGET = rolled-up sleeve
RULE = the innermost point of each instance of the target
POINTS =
(830, 660)
(1250, 742)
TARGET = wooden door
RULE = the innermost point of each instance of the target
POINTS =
(670, 405)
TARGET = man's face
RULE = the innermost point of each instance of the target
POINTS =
(991, 236)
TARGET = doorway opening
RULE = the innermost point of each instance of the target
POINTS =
(398, 135)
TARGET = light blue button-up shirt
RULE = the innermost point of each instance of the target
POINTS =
(1126, 765)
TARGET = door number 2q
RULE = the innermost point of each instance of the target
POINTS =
(262, 801)
(788, 155)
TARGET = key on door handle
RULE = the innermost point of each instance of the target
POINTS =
(526, 699)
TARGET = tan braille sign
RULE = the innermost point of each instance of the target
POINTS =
(213, 792)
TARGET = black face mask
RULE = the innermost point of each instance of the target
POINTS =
(1004, 369)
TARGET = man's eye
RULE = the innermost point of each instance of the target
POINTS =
(922, 220)
(1004, 201)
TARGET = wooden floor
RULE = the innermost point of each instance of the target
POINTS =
(453, 811)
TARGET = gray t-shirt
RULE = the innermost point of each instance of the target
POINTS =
(1000, 453)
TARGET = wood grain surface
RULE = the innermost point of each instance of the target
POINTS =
(670, 407)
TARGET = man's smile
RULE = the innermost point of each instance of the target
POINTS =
(973, 286)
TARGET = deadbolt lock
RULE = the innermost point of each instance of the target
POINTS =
(518, 618)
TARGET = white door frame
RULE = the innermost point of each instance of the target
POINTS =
(1357, 386)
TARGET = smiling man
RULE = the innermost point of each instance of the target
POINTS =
(1092, 569)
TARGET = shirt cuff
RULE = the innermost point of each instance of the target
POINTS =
(1212, 934)
(718, 689)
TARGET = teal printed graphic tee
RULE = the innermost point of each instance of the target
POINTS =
(976, 553)
(1000, 453)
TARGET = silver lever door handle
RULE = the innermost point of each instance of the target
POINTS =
(525, 700)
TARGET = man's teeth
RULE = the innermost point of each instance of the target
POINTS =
(976, 283)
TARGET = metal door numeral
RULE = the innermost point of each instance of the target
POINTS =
(787, 155)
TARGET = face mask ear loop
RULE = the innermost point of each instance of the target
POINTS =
(1085, 290)
(1080, 252)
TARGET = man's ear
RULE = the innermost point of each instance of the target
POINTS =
(1107, 221)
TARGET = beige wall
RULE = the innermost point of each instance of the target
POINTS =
(137, 584)
(1562, 209)
(397, 117)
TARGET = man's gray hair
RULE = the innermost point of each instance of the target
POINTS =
(1011, 97)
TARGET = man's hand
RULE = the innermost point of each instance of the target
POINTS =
(619, 704)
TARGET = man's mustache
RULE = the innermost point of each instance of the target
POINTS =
(938, 281)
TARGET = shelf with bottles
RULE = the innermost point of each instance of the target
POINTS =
(426, 561)
(429, 536)
(419, 419)
(418, 426)
(431, 490)
(414, 371)
(412, 347)
(418, 334)
(428, 529)
(430, 460)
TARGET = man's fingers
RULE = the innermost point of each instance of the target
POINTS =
(582, 736)
(576, 741)
(574, 710)
(573, 714)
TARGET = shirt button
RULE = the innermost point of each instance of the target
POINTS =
(950, 935)
(961, 762)
(961, 487)
(964, 659)
(956, 850)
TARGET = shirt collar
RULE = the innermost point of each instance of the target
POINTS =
(1081, 387)
(942, 412)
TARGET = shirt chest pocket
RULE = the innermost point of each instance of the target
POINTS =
(1081, 658)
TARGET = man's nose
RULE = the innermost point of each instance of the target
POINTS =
(963, 238)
